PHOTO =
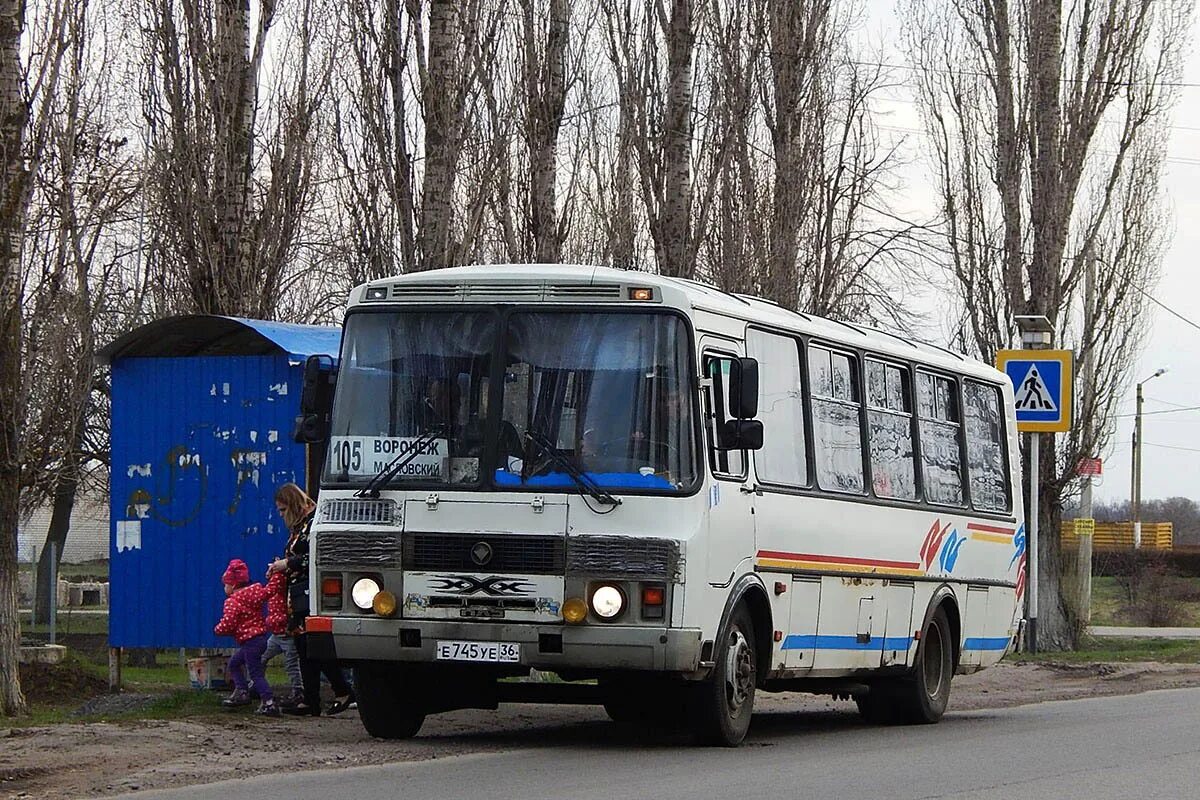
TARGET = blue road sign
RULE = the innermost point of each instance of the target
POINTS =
(1041, 387)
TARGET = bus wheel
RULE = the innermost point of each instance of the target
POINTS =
(725, 702)
(922, 697)
(384, 701)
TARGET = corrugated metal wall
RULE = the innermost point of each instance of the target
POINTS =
(198, 446)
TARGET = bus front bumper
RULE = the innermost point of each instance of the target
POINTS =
(545, 647)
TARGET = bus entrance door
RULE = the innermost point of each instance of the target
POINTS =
(730, 490)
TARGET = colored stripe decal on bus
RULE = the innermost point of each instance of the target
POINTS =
(810, 642)
(990, 533)
(775, 558)
(986, 643)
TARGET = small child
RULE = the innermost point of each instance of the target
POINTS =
(281, 641)
(243, 620)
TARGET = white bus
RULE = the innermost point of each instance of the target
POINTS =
(674, 496)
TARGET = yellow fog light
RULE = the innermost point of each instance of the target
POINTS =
(574, 611)
(384, 604)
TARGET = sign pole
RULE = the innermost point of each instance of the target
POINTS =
(1035, 486)
(1042, 400)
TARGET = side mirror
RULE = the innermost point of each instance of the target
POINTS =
(743, 388)
(316, 400)
(742, 434)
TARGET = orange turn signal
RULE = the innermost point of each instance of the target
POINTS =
(636, 293)
(574, 611)
(331, 587)
(652, 595)
(384, 604)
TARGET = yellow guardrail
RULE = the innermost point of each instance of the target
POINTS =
(1118, 535)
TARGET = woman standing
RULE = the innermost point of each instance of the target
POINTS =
(297, 510)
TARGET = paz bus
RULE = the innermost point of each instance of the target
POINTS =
(670, 496)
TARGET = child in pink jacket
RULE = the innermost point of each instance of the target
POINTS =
(243, 620)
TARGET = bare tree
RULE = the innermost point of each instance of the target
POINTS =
(228, 198)
(86, 178)
(23, 86)
(12, 132)
(546, 86)
(658, 112)
(1046, 134)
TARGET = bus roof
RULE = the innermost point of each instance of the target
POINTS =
(567, 283)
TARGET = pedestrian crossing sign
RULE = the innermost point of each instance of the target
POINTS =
(1041, 388)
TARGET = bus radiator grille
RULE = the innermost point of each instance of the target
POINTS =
(625, 557)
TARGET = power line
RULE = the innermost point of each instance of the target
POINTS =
(1164, 306)
(1174, 447)
(1161, 411)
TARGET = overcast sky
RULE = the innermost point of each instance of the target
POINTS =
(1171, 454)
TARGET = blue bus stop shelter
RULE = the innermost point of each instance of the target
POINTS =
(202, 415)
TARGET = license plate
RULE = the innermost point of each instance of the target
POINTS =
(493, 652)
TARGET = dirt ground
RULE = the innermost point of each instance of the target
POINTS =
(98, 759)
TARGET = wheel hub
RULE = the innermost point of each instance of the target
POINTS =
(739, 671)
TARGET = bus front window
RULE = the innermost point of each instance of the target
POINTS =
(413, 382)
(610, 391)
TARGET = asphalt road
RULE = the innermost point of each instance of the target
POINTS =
(1144, 746)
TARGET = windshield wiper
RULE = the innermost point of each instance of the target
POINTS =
(390, 470)
(581, 479)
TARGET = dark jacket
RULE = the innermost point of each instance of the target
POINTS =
(297, 575)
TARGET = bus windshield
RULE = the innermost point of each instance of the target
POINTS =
(473, 398)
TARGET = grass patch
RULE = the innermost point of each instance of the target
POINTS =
(77, 691)
(76, 573)
(67, 622)
(1111, 603)
(1167, 651)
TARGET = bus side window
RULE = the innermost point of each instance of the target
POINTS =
(837, 433)
(889, 426)
(783, 460)
(941, 458)
(985, 447)
(726, 463)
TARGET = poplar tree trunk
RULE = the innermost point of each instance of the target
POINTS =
(443, 127)
(675, 243)
(546, 95)
(13, 118)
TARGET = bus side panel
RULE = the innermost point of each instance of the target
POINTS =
(898, 632)
(800, 641)
(1002, 604)
(974, 626)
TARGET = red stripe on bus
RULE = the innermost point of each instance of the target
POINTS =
(872, 562)
(973, 526)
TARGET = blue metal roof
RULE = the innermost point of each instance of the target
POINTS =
(205, 335)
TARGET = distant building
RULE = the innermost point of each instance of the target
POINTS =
(86, 541)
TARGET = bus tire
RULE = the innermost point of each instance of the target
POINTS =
(384, 702)
(921, 698)
(724, 703)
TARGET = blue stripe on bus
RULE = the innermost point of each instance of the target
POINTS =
(986, 643)
(809, 642)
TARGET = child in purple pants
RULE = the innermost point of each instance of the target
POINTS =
(243, 620)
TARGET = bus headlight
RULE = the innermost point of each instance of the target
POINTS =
(608, 602)
(363, 593)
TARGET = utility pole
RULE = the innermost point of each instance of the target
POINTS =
(1135, 492)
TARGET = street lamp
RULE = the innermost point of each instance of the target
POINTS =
(1135, 492)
